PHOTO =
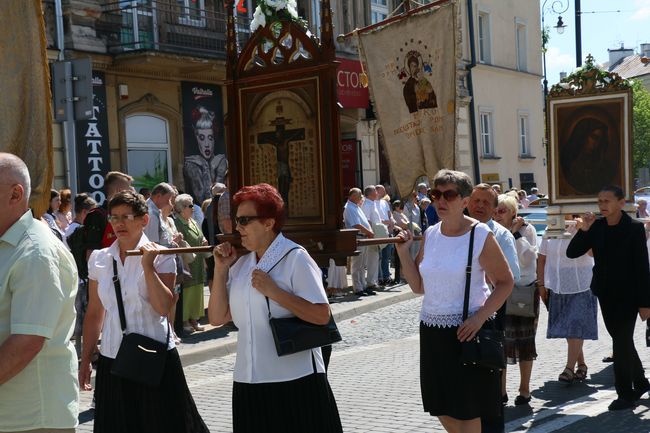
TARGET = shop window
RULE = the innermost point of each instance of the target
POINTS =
(148, 154)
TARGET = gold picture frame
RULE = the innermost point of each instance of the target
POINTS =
(590, 146)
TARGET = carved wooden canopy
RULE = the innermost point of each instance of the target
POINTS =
(282, 127)
(589, 80)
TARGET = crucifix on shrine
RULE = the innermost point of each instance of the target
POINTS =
(280, 138)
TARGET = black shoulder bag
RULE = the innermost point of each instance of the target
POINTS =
(140, 359)
(486, 348)
(292, 334)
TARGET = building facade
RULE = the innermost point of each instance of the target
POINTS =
(159, 68)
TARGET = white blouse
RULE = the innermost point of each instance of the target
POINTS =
(141, 318)
(526, 247)
(563, 275)
(443, 275)
(257, 360)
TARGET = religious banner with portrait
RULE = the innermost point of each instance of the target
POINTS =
(205, 160)
(590, 128)
(284, 145)
(411, 67)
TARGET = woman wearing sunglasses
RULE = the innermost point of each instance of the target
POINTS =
(458, 395)
(122, 405)
(277, 278)
(520, 330)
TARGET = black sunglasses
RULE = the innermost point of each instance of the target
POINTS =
(449, 195)
(245, 220)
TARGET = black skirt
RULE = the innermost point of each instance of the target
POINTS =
(296, 406)
(123, 406)
(450, 388)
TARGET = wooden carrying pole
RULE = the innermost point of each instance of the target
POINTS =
(209, 248)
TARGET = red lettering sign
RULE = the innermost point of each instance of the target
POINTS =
(351, 93)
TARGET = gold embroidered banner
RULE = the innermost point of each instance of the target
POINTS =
(25, 112)
(411, 67)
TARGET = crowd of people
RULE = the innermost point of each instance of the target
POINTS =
(462, 246)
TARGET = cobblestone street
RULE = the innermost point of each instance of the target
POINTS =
(374, 374)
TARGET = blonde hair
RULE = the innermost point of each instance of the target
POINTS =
(508, 201)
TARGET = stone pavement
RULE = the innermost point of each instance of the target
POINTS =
(374, 374)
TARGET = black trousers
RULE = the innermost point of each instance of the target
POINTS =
(497, 424)
(619, 320)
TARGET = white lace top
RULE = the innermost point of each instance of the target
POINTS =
(443, 275)
(563, 275)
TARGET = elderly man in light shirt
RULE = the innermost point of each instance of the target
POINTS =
(482, 204)
(386, 217)
(39, 390)
(371, 210)
(354, 218)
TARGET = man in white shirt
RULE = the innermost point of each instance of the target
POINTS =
(161, 198)
(372, 213)
(354, 218)
(386, 217)
(533, 195)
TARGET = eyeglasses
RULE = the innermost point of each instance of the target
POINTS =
(449, 195)
(501, 210)
(245, 220)
(189, 205)
(115, 219)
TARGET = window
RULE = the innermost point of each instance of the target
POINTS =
(522, 52)
(524, 142)
(148, 155)
(487, 138)
(315, 17)
(192, 12)
(378, 10)
(484, 37)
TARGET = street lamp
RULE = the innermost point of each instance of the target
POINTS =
(557, 7)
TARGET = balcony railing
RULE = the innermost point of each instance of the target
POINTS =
(167, 25)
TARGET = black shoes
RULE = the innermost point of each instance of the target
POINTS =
(361, 293)
(638, 392)
(371, 290)
(521, 400)
(608, 358)
(621, 404)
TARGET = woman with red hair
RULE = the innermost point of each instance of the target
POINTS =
(277, 278)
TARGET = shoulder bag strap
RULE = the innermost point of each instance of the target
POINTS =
(468, 272)
(118, 295)
(277, 263)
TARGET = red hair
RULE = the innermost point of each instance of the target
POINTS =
(267, 200)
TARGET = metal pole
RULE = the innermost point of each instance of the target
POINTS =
(578, 34)
(69, 132)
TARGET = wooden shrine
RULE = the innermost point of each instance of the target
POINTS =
(282, 128)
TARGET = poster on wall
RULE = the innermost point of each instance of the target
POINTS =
(93, 158)
(205, 160)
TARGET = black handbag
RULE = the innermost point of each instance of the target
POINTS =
(140, 359)
(292, 334)
(485, 350)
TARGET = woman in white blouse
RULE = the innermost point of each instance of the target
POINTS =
(124, 406)
(520, 331)
(572, 308)
(271, 394)
(458, 395)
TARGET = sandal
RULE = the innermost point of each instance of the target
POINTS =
(581, 372)
(567, 376)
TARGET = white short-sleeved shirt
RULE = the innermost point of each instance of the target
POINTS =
(443, 275)
(257, 359)
(563, 275)
(141, 317)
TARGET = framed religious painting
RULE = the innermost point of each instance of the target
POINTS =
(590, 146)
(282, 145)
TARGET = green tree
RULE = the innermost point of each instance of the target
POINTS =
(641, 127)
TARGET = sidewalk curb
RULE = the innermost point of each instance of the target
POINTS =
(228, 345)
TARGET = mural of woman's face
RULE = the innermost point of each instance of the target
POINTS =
(205, 142)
